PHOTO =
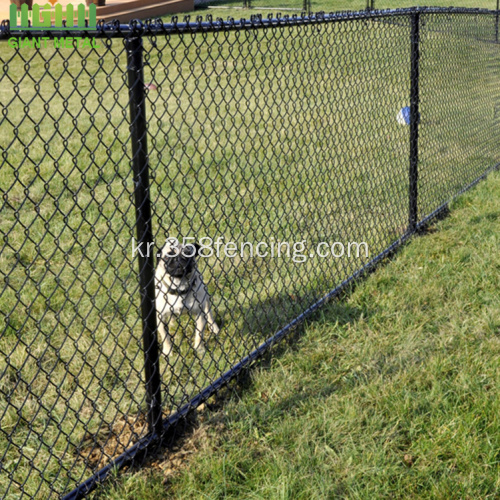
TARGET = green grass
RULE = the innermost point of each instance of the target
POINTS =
(391, 392)
(288, 133)
(234, 8)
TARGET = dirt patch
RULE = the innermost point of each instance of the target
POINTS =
(99, 449)
(194, 433)
(197, 436)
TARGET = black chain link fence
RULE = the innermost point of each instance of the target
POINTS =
(340, 128)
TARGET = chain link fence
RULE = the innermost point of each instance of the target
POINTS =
(329, 129)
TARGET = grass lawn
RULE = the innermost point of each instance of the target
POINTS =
(234, 8)
(391, 392)
(288, 133)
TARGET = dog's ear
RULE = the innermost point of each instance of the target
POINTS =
(191, 250)
(171, 247)
(195, 247)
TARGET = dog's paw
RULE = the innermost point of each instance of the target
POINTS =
(167, 349)
(200, 348)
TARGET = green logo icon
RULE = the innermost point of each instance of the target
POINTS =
(41, 17)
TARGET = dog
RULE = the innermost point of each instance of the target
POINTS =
(180, 289)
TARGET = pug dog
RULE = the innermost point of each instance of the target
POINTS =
(180, 289)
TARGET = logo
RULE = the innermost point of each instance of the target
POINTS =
(41, 17)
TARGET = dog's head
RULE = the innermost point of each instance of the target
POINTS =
(179, 261)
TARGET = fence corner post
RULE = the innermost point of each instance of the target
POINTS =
(146, 258)
(414, 121)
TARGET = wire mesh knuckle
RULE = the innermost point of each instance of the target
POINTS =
(340, 127)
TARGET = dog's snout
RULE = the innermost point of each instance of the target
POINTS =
(178, 267)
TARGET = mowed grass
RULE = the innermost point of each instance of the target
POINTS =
(391, 392)
(287, 134)
(234, 8)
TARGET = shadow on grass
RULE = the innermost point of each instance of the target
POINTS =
(184, 431)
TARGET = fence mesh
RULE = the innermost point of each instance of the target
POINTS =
(289, 132)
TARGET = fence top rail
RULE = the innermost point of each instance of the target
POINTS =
(187, 25)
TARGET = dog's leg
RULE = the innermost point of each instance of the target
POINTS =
(201, 322)
(214, 328)
(164, 336)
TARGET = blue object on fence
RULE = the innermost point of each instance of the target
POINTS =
(404, 116)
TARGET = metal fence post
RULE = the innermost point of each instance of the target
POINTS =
(140, 163)
(496, 21)
(414, 121)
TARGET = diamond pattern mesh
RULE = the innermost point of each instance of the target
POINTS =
(266, 130)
